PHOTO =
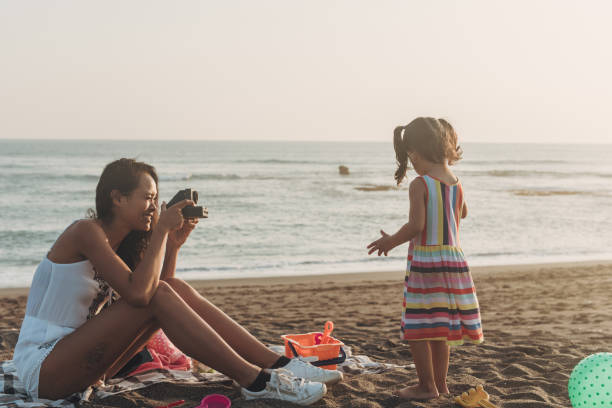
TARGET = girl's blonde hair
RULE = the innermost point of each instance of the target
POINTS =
(433, 139)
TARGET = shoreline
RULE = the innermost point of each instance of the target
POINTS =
(477, 271)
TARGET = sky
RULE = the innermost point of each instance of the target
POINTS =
(499, 71)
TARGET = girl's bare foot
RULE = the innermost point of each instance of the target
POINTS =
(442, 389)
(417, 392)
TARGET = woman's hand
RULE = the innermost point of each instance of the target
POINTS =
(171, 219)
(382, 245)
(178, 237)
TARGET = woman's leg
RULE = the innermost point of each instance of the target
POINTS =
(235, 335)
(426, 389)
(249, 347)
(82, 357)
(137, 344)
(440, 355)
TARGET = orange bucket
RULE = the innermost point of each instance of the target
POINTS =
(325, 348)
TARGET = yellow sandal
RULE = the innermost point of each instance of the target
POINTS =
(474, 398)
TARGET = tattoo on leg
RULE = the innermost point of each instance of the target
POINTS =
(93, 358)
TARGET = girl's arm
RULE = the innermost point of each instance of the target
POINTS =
(464, 210)
(416, 221)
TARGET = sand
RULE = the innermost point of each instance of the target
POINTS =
(539, 321)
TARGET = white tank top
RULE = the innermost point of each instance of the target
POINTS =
(62, 297)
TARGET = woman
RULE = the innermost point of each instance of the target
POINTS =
(66, 344)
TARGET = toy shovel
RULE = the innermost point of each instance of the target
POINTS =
(474, 398)
(329, 328)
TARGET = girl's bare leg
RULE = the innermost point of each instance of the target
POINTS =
(440, 355)
(426, 389)
(82, 357)
(234, 334)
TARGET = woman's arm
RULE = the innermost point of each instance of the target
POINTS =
(176, 239)
(169, 262)
(135, 287)
(139, 286)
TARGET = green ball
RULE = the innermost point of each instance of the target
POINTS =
(590, 384)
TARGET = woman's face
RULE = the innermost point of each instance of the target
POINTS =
(139, 208)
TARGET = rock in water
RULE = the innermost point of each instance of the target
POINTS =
(343, 170)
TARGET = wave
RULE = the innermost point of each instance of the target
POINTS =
(536, 173)
(175, 177)
(212, 176)
(51, 176)
(373, 187)
(22, 238)
(545, 193)
(282, 161)
(498, 162)
(282, 266)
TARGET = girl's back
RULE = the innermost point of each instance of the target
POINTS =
(444, 209)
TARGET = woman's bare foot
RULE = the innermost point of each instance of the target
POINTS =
(417, 392)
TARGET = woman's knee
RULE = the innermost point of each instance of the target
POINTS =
(172, 281)
(184, 289)
(163, 294)
(176, 283)
(163, 289)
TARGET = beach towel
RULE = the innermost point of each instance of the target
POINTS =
(12, 392)
(356, 364)
(13, 395)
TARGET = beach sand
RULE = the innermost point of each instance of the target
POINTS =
(539, 321)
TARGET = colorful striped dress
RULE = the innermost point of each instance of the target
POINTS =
(439, 296)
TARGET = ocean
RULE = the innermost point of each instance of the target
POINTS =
(282, 208)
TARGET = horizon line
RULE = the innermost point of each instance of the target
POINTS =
(287, 141)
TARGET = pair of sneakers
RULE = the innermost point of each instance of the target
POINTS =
(298, 382)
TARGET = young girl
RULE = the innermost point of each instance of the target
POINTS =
(440, 307)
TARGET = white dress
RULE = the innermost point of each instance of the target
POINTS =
(62, 297)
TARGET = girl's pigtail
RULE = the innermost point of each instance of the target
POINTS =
(401, 154)
(452, 150)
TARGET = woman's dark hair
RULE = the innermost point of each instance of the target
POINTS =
(123, 175)
(433, 139)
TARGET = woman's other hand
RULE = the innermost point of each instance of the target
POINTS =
(178, 237)
(171, 219)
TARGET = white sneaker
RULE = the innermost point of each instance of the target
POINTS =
(303, 369)
(283, 386)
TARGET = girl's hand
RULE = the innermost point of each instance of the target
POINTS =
(172, 219)
(382, 245)
(178, 237)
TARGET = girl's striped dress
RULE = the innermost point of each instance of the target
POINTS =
(439, 296)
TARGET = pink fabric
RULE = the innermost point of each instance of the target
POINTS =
(165, 355)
